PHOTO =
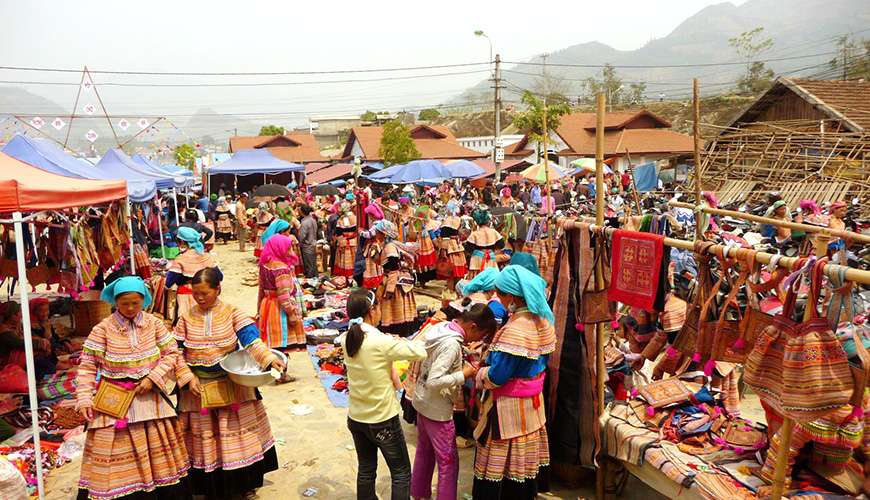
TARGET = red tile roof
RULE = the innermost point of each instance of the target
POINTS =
(297, 147)
(329, 173)
(434, 142)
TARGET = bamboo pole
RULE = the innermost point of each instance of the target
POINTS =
(547, 162)
(846, 235)
(600, 369)
(696, 134)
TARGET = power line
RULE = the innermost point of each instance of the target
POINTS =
(662, 66)
(240, 73)
(249, 84)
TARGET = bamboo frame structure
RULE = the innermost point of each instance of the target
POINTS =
(813, 159)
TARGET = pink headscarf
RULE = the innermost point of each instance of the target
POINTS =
(278, 248)
(711, 199)
(506, 192)
(811, 206)
(375, 211)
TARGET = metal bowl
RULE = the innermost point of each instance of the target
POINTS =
(244, 370)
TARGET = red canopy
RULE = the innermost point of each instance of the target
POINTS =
(28, 189)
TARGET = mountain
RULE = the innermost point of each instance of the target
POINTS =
(218, 126)
(797, 27)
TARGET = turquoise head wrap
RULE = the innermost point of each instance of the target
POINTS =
(481, 216)
(483, 282)
(520, 282)
(126, 284)
(526, 260)
(274, 228)
(192, 238)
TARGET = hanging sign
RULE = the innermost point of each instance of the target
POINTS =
(87, 85)
(37, 122)
(91, 135)
(123, 124)
(57, 123)
(89, 109)
(143, 123)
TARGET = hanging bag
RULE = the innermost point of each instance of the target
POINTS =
(594, 306)
(815, 370)
(763, 369)
(727, 331)
(687, 338)
(754, 319)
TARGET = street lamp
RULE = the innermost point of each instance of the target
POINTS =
(481, 33)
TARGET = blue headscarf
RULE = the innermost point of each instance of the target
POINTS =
(274, 228)
(520, 282)
(126, 284)
(349, 196)
(192, 238)
(526, 260)
(483, 282)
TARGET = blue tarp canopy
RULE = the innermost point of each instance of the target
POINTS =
(45, 155)
(174, 170)
(417, 171)
(464, 169)
(120, 166)
(163, 179)
(255, 161)
(645, 177)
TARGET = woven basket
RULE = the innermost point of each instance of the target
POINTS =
(86, 315)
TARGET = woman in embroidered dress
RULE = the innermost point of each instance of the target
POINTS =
(513, 460)
(280, 303)
(427, 231)
(450, 251)
(345, 241)
(141, 455)
(373, 275)
(264, 218)
(191, 258)
(278, 226)
(224, 221)
(396, 292)
(231, 447)
(482, 243)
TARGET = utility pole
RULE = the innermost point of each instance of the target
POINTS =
(497, 149)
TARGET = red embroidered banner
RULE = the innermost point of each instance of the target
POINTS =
(635, 266)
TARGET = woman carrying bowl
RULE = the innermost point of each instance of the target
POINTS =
(226, 430)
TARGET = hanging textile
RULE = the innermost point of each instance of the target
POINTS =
(636, 265)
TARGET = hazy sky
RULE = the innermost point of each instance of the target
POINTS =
(239, 36)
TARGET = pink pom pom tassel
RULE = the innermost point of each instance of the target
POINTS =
(708, 367)
(650, 411)
(121, 423)
(580, 327)
(739, 344)
(672, 353)
(614, 325)
(696, 357)
(203, 411)
(857, 412)
(235, 407)
(634, 392)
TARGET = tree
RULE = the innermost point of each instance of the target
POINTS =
(271, 130)
(636, 93)
(185, 155)
(852, 60)
(397, 146)
(428, 114)
(368, 116)
(610, 84)
(749, 45)
(531, 120)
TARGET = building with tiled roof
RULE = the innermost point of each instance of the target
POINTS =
(846, 103)
(640, 135)
(296, 147)
(434, 142)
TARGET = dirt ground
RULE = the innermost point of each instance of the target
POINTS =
(316, 450)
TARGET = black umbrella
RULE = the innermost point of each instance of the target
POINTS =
(325, 190)
(271, 190)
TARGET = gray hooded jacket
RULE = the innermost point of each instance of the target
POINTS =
(440, 374)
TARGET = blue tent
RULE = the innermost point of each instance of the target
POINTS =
(163, 179)
(118, 165)
(255, 161)
(45, 155)
(416, 171)
(173, 170)
(464, 169)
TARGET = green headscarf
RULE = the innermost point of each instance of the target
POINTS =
(520, 282)
(525, 260)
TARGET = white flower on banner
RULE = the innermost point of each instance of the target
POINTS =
(87, 85)
(89, 109)
(57, 123)
(143, 123)
(91, 135)
(123, 124)
(37, 122)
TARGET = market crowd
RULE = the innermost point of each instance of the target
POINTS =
(477, 365)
